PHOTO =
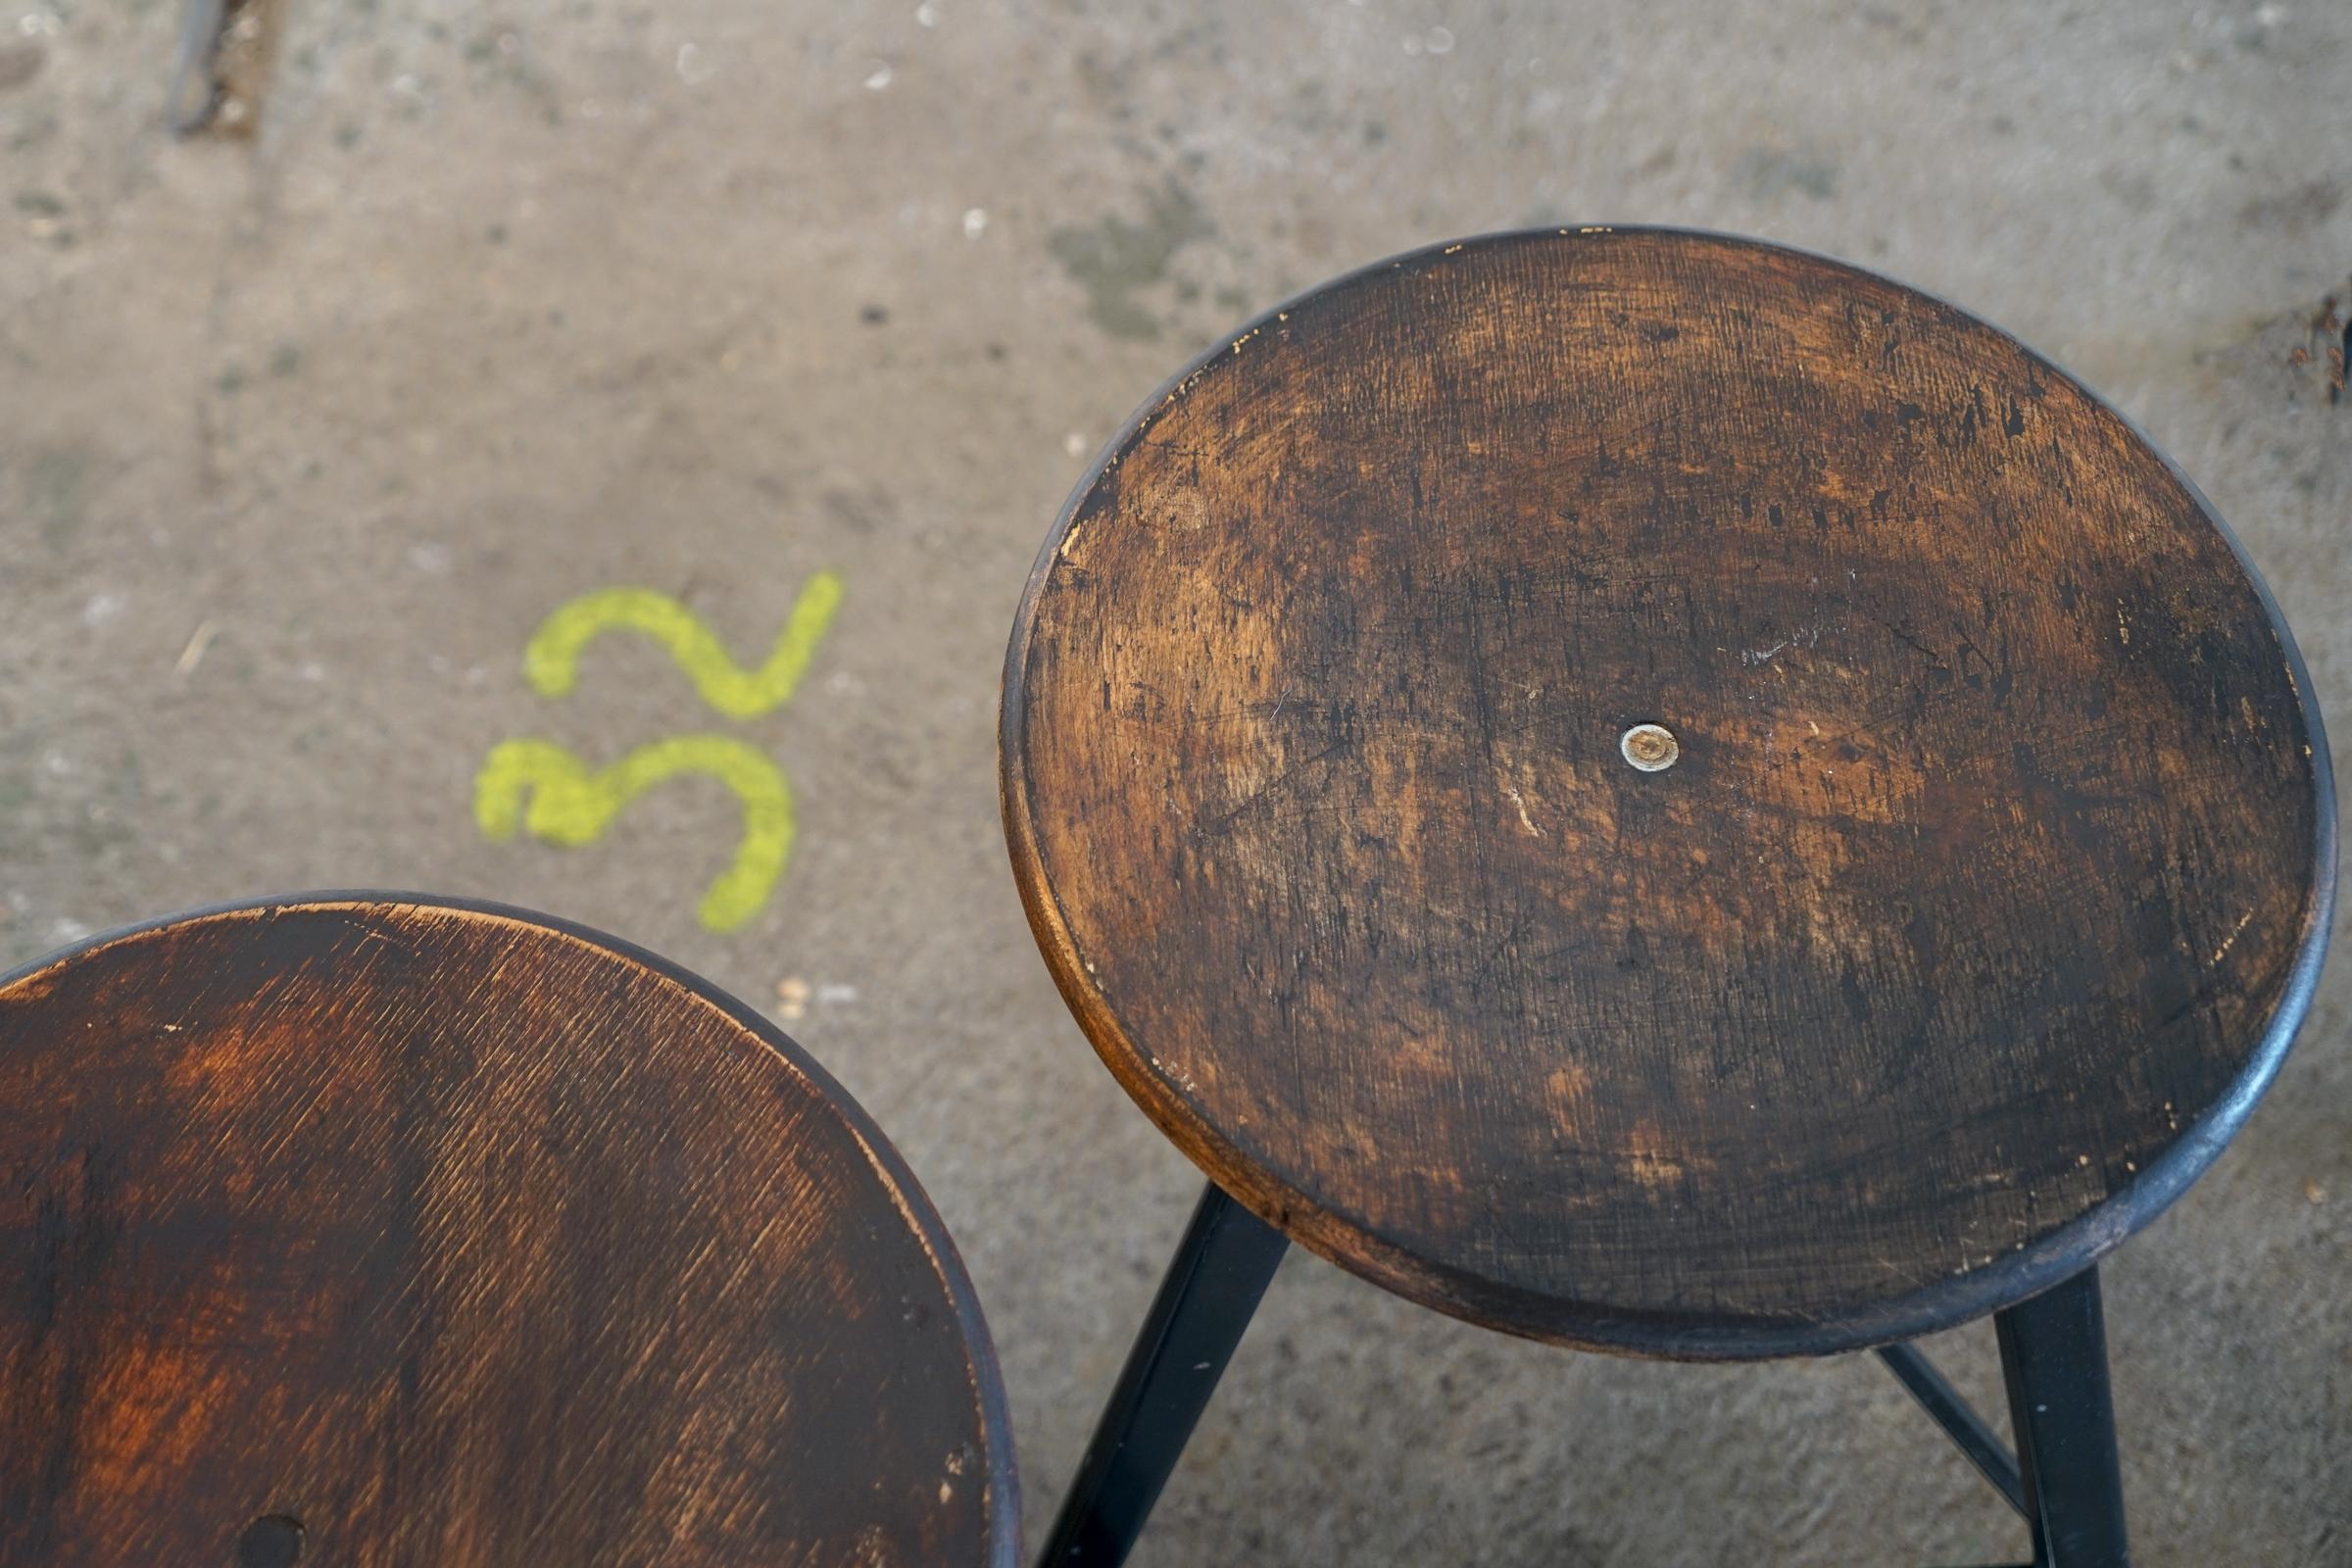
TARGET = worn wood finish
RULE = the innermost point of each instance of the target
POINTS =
(412, 1235)
(1977, 899)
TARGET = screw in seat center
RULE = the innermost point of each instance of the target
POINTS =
(1651, 748)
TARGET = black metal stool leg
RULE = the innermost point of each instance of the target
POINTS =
(2054, 1356)
(1221, 1269)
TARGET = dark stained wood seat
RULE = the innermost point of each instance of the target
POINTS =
(1963, 906)
(417, 1234)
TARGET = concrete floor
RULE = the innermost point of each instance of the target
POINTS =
(302, 433)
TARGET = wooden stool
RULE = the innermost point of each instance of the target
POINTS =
(1667, 795)
(437, 1235)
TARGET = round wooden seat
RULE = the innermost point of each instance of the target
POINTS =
(1662, 793)
(363, 1232)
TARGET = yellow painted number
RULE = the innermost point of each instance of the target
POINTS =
(551, 659)
(550, 793)
(537, 787)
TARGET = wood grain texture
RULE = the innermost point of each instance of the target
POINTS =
(1981, 899)
(462, 1238)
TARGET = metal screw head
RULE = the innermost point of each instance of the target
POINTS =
(274, 1541)
(1651, 748)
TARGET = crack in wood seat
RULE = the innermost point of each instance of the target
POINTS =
(417, 1234)
(1978, 901)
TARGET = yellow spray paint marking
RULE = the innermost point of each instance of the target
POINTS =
(551, 659)
(551, 794)
(538, 787)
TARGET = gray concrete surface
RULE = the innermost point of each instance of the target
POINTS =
(301, 435)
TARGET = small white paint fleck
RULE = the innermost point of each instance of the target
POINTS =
(1075, 443)
(193, 654)
(1440, 40)
(926, 14)
(834, 994)
(433, 559)
(66, 931)
(975, 222)
(1526, 824)
(792, 997)
(100, 609)
(879, 77)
